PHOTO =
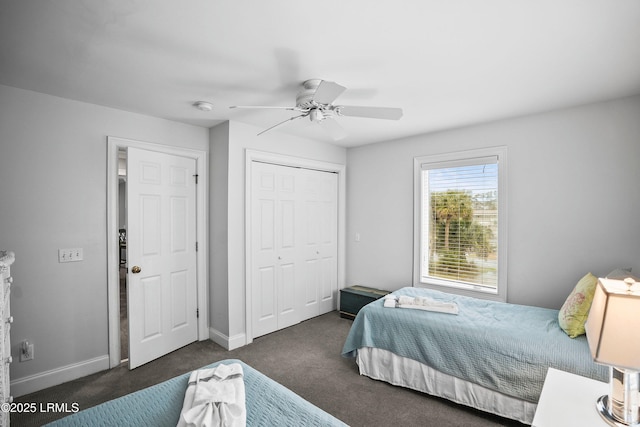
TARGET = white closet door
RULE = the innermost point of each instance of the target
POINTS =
(293, 235)
(320, 250)
(274, 242)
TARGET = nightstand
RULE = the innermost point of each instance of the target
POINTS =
(353, 298)
(569, 400)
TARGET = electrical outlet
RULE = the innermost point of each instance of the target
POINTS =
(70, 255)
(26, 351)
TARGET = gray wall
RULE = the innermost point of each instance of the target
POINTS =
(219, 227)
(53, 181)
(573, 199)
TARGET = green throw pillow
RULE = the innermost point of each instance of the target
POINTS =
(575, 310)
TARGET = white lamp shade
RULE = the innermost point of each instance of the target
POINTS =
(613, 325)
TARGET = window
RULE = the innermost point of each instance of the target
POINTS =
(460, 225)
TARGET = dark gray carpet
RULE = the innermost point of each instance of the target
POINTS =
(305, 358)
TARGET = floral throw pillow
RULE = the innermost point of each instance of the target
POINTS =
(575, 310)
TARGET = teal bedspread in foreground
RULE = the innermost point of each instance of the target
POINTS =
(268, 403)
(504, 347)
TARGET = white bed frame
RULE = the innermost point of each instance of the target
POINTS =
(386, 366)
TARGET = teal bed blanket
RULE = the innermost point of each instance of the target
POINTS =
(504, 347)
(268, 403)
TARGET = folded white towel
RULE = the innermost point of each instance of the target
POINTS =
(215, 397)
(390, 302)
(403, 299)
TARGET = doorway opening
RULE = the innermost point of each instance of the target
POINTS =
(122, 253)
(119, 335)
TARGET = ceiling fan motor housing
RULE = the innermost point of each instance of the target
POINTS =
(305, 96)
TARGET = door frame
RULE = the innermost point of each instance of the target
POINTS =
(113, 262)
(299, 162)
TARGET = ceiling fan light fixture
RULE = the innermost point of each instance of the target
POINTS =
(316, 115)
(203, 105)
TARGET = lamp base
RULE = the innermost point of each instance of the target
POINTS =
(602, 405)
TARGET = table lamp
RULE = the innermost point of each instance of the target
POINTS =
(613, 333)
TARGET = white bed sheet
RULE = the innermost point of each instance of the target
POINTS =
(386, 366)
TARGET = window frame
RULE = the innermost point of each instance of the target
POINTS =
(500, 293)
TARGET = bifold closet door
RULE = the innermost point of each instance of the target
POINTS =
(319, 217)
(273, 247)
(293, 256)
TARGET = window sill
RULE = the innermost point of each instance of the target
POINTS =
(462, 289)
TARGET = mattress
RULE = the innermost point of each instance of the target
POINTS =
(503, 347)
(268, 403)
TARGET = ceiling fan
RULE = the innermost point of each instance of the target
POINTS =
(315, 100)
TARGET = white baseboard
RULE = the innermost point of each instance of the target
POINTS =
(230, 343)
(36, 382)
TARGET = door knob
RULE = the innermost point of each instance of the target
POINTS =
(135, 269)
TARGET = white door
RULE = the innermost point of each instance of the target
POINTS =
(293, 258)
(320, 225)
(161, 224)
(274, 244)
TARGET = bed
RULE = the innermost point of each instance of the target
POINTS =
(492, 356)
(268, 403)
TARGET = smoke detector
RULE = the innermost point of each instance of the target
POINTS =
(203, 105)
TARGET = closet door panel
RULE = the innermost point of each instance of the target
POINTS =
(264, 302)
(309, 254)
(264, 266)
(287, 245)
(293, 217)
(325, 242)
(286, 295)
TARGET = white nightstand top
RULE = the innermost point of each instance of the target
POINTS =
(569, 400)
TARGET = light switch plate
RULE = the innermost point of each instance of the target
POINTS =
(70, 255)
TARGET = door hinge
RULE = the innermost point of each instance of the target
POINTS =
(196, 246)
(197, 313)
(196, 176)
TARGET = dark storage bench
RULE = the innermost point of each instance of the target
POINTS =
(353, 298)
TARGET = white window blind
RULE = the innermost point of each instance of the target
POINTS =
(459, 223)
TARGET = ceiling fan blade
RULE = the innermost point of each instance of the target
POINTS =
(265, 107)
(333, 128)
(370, 112)
(327, 92)
(282, 122)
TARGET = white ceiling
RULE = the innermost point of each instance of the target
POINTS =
(447, 63)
